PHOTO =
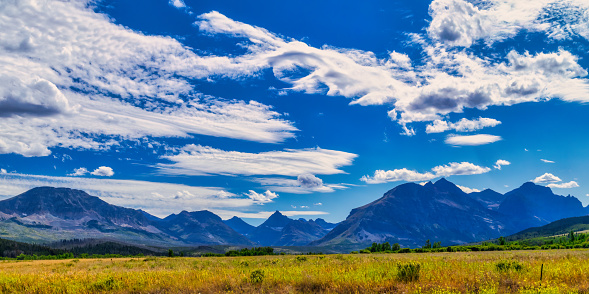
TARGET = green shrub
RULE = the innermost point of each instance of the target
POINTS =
(508, 265)
(408, 272)
(257, 276)
(301, 258)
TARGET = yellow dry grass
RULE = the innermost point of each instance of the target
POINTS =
(565, 271)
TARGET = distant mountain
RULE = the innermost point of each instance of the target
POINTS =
(559, 227)
(239, 225)
(270, 231)
(47, 214)
(410, 214)
(325, 225)
(201, 227)
(532, 205)
(488, 198)
(279, 230)
(300, 232)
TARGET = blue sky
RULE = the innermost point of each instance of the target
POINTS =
(304, 107)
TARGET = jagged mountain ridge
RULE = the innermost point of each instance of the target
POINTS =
(410, 213)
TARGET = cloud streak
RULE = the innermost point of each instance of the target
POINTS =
(203, 160)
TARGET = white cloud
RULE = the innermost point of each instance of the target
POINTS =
(462, 168)
(318, 204)
(177, 3)
(571, 184)
(79, 172)
(2, 171)
(202, 160)
(304, 184)
(381, 176)
(463, 125)
(460, 23)
(501, 163)
(160, 199)
(547, 161)
(468, 190)
(48, 48)
(261, 198)
(309, 181)
(453, 168)
(472, 140)
(103, 171)
(449, 81)
(546, 178)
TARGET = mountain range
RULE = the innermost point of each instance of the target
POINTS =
(409, 214)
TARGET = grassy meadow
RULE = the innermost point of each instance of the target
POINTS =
(564, 271)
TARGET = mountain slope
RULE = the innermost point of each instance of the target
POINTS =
(559, 227)
(410, 214)
(47, 214)
(300, 232)
(239, 225)
(201, 227)
(270, 231)
(488, 198)
(532, 205)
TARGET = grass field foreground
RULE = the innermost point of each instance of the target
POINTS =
(564, 271)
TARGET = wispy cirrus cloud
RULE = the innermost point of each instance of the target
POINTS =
(72, 78)
(203, 160)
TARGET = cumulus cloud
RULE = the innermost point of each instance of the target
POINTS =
(79, 172)
(462, 168)
(571, 184)
(546, 178)
(472, 140)
(449, 81)
(157, 198)
(463, 125)
(72, 78)
(203, 160)
(501, 163)
(304, 184)
(450, 169)
(547, 161)
(3, 171)
(261, 198)
(177, 3)
(381, 176)
(461, 23)
(103, 171)
(318, 204)
(309, 181)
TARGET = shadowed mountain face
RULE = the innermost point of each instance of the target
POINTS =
(270, 231)
(70, 204)
(202, 227)
(532, 205)
(279, 230)
(488, 198)
(410, 214)
(239, 225)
